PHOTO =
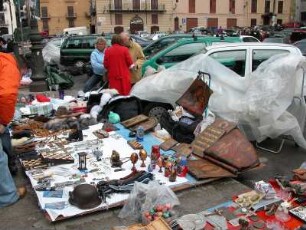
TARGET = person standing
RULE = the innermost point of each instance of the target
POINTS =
(136, 54)
(96, 61)
(10, 78)
(118, 62)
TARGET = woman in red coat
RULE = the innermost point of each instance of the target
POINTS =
(118, 62)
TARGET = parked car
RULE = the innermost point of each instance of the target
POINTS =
(76, 50)
(248, 38)
(242, 58)
(163, 42)
(301, 45)
(182, 50)
(276, 40)
(143, 42)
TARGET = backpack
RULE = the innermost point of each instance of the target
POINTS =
(180, 131)
(126, 106)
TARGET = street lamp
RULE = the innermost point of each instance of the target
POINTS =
(36, 61)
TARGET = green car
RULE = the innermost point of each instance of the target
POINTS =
(76, 50)
(182, 50)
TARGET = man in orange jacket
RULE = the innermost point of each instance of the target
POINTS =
(10, 80)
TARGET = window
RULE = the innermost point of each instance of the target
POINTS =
(180, 53)
(70, 23)
(279, 21)
(212, 6)
(191, 6)
(249, 39)
(158, 46)
(44, 12)
(70, 10)
(74, 44)
(118, 19)
(136, 4)
(253, 22)
(45, 24)
(254, 6)
(260, 56)
(267, 6)
(280, 7)
(118, 4)
(233, 59)
(154, 4)
(154, 18)
(232, 6)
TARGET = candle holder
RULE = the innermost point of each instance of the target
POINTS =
(143, 156)
(82, 161)
(134, 159)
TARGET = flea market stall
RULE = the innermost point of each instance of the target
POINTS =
(115, 155)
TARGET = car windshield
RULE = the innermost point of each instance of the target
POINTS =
(301, 46)
(273, 40)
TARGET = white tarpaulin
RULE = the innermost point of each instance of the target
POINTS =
(264, 101)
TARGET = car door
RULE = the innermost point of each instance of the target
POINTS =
(178, 54)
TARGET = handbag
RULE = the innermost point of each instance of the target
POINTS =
(196, 97)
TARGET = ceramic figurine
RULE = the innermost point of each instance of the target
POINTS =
(115, 159)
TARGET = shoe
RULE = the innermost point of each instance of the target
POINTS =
(22, 192)
(13, 169)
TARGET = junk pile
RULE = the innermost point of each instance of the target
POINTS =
(259, 108)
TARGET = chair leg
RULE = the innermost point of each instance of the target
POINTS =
(270, 150)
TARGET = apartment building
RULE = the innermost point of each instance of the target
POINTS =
(59, 14)
(230, 13)
(8, 22)
(174, 15)
(134, 15)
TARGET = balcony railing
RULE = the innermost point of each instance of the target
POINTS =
(45, 16)
(128, 7)
(71, 15)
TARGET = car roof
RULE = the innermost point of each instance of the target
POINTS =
(249, 44)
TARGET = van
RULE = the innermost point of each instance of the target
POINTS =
(82, 30)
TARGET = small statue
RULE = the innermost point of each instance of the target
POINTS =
(115, 159)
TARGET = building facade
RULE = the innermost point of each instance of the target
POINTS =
(56, 15)
(230, 13)
(133, 15)
(8, 22)
(175, 15)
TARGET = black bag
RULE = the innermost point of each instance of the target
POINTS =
(93, 99)
(179, 130)
(126, 106)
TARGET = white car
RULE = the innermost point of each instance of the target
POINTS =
(242, 58)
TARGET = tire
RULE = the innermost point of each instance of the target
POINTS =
(156, 109)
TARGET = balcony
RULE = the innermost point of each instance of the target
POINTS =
(45, 16)
(71, 16)
(128, 7)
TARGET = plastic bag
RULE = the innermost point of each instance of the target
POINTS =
(144, 197)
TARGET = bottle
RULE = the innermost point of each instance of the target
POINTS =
(61, 94)
(155, 154)
(139, 133)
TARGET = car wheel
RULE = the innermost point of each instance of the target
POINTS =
(156, 109)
